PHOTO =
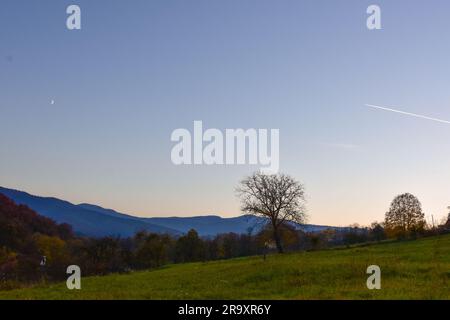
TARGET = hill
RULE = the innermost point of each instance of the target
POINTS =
(93, 220)
(83, 221)
(409, 270)
(18, 224)
(25, 237)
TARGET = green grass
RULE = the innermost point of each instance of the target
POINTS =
(410, 270)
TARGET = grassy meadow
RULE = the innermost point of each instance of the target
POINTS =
(417, 269)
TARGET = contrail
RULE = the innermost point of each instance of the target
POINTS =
(407, 113)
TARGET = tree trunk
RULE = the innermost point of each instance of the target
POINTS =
(277, 239)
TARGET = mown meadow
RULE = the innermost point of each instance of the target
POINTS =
(415, 269)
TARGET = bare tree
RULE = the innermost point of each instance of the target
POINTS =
(278, 197)
(445, 223)
(448, 219)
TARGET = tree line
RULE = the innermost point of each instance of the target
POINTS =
(281, 199)
(34, 248)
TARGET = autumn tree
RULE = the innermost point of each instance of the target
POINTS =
(276, 197)
(405, 216)
(56, 252)
(190, 247)
(152, 249)
(289, 236)
(377, 231)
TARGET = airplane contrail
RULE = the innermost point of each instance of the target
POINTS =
(407, 113)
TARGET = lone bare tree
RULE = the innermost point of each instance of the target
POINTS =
(447, 222)
(278, 197)
(405, 215)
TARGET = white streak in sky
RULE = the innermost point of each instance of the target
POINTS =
(407, 113)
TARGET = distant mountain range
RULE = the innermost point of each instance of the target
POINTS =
(92, 220)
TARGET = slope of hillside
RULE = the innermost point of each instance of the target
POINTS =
(18, 225)
(83, 221)
(409, 270)
(93, 220)
(208, 225)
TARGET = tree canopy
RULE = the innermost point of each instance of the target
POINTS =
(405, 215)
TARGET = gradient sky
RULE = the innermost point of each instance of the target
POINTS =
(140, 69)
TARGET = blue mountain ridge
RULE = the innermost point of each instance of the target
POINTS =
(92, 220)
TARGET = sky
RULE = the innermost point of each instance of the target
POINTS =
(86, 115)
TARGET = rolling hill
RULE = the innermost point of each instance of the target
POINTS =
(86, 222)
(409, 270)
(92, 220)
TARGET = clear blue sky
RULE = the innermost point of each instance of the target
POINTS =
(140, 69)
